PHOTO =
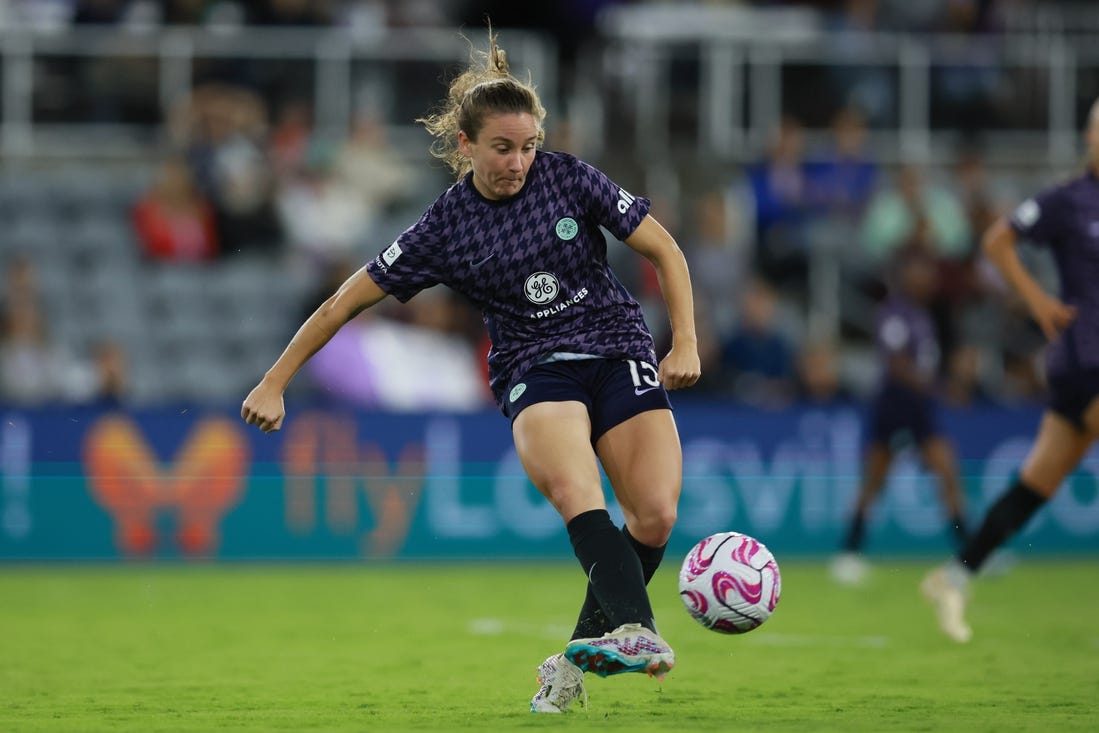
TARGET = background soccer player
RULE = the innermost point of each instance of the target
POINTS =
(1066, 219)
(572, 362)
(905, 407)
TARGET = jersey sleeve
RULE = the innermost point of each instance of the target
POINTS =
(607, 204)
(1039, 219)
(416, 259)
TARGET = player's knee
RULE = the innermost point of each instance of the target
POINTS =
(571, 497)
(654, 527)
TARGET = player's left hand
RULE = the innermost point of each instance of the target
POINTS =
(1052, 315)
(680, 368)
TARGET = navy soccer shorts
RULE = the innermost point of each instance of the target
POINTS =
(614, 390)
(899, 413)
(1071, 394)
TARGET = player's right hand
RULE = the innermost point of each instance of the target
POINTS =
(264, 408)
(1051, 315)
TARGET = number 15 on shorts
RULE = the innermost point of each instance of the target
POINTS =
(644, 376)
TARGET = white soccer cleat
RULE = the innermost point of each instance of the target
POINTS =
(562, 683)
(947, 595)
(849, 568)
(629, 648)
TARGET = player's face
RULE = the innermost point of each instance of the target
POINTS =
(502, 153)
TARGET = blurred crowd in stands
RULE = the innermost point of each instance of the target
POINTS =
(244, 173)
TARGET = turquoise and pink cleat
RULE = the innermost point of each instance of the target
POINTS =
(629, 648)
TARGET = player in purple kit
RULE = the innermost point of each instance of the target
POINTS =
(905, 408)
(572, 362)
(1066, 219)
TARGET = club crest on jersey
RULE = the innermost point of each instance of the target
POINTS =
(541, 288)
(1028, 213)
(567, 228)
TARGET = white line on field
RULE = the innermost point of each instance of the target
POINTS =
(498, 626)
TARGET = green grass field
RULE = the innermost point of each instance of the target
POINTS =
(454, 647)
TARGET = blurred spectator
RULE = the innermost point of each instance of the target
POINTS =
(333, 193)
(818, 376)
(223, 130)
(372, 167)
(21, 282)
(290, 137)
(960, 287)
(109, 383)
(842, 176)
(379, 362)
(964, 91)
(758, 357)
(33, 369)
(780, 188)
(718, 255)
(324, 218)
(173, 220)
(916, 213)
(871, 88)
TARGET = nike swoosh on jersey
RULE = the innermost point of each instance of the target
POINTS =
(478, 264)
(638, 391)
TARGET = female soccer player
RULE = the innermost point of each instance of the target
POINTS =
(572, 362)
(1065, 218)
(905, 408)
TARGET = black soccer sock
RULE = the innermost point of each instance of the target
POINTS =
(958, 527)
(650, 557)
(1006, 517)
(855, 533)
(616, 581)
(592, 622)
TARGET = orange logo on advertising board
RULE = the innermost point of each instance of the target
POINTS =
(202, 483)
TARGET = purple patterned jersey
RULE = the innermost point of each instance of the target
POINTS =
(906, 328)
(1066, 219)
(535, 264)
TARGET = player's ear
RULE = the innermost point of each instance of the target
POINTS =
(465, 144)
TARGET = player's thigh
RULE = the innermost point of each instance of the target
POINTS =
(1057, 450)
(552, 439)
(937, 452)
(1091, 420)
(644, 461)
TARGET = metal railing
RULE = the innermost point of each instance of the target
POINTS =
(742, 56)
(343, 63)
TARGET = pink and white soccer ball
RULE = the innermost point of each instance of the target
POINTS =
(730, 583)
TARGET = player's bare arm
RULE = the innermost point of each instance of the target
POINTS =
(264, 406)
(681, 367)
(1051, 314)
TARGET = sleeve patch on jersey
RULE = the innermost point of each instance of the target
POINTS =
(390, 255)
(894, 333)
(1028, 213)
